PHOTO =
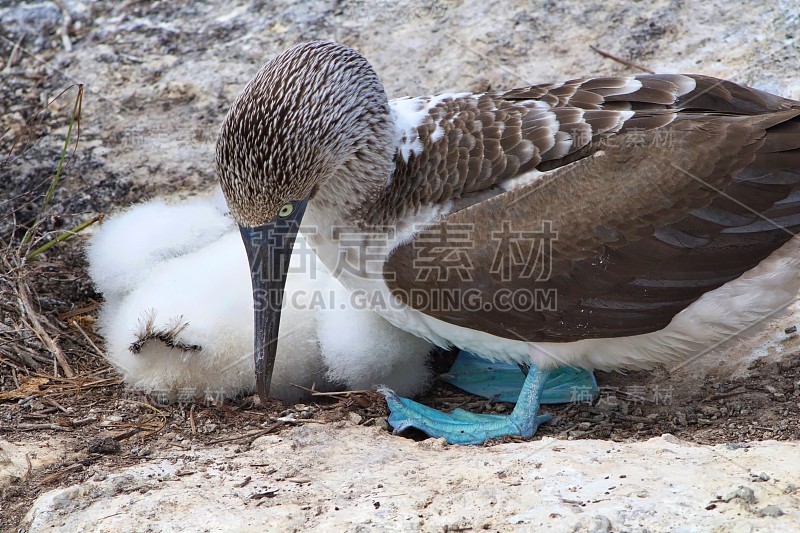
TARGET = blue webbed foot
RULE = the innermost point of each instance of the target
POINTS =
(502, 382)
(463, 427)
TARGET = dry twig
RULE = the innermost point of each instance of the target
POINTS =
(97, 350)
(192, 422)
(335, 394)
(41, 333)
(250, 436)
(620, 60)
(61, 473)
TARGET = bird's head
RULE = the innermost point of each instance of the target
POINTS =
(315, 111)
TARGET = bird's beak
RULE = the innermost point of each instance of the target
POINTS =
(269, 250)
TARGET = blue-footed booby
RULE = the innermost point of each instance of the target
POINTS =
(605, 222)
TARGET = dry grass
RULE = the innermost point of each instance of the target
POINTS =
(30, 340)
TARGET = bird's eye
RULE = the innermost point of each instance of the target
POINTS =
(286, 210)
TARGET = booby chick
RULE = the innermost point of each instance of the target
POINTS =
(177, 317)
(607, 222)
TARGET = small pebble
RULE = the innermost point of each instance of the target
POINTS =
(433, 444)
(382, 423)
(771, 510)
(672, 439)
(745, 494)
(596, 524)
(104, 446)
(144, 451)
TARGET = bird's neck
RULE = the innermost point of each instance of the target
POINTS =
(347, 193)
(354, 189)
(340, 215)
(357, 214)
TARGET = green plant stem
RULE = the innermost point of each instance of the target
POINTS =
(65, 236)
(54, 183)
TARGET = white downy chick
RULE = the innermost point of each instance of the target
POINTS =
(178, 314)
(361, 350)
(128, 245)
(186, 330)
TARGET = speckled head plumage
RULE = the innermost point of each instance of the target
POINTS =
(313, 109)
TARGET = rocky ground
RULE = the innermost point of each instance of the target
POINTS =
(82, 452)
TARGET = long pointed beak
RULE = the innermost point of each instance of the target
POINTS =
(269, 250)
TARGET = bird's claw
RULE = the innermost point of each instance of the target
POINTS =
(458, 426)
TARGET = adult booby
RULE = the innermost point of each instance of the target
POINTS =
(658, 210)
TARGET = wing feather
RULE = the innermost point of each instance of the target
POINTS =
(684, 186)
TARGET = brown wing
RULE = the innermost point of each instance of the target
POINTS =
(693, 184)
(485, 141)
